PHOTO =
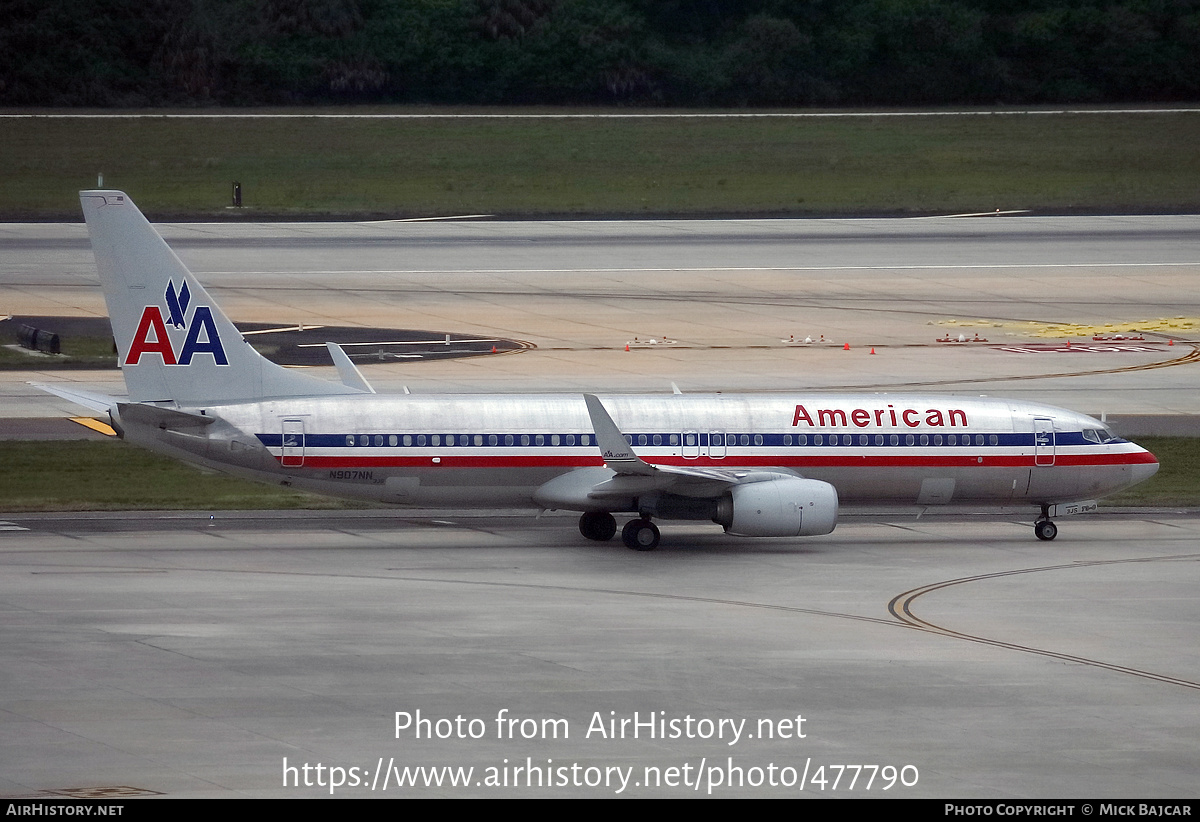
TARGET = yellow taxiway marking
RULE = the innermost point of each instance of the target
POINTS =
(95, 425)
(1162, 325)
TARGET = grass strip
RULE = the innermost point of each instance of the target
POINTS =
(307, 167)
(110, 475)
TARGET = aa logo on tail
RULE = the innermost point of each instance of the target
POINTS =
(153, 337)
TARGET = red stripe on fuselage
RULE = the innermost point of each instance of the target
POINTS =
(776, 461)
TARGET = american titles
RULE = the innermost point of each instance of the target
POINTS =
(880, 417)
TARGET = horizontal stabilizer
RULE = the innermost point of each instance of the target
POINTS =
(88, 399)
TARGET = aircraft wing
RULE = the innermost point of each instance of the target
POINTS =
(636, 476)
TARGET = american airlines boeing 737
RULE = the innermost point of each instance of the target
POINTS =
(765, 466)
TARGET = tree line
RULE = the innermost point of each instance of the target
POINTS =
(598, 52)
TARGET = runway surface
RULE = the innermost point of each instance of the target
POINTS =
(180, 655)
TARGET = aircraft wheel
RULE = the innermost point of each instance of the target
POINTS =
(640, 535)
(1045, 529)
(598, 525)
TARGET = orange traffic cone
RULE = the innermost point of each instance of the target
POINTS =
(872, 349)
(626, 346)
(846, 347)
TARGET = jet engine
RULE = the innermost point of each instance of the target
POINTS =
(784, 507)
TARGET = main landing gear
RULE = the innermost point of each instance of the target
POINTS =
(598, 525)
(639, 534)
(1044, 528)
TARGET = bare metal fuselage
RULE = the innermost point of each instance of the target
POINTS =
(472, 450)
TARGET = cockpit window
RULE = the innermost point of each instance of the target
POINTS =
(1098, 435)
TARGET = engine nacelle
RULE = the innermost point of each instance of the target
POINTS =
(785, 507)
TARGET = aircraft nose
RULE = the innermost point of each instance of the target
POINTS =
(1143, 471)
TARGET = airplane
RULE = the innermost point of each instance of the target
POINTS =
(758, 465)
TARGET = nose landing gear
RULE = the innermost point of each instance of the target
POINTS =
(1044, 529)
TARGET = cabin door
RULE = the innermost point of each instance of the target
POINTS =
(1043, 441)
(293, 444)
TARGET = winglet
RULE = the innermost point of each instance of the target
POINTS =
(617, 453)
(347, 370)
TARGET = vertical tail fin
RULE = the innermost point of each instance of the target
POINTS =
(173, 342)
